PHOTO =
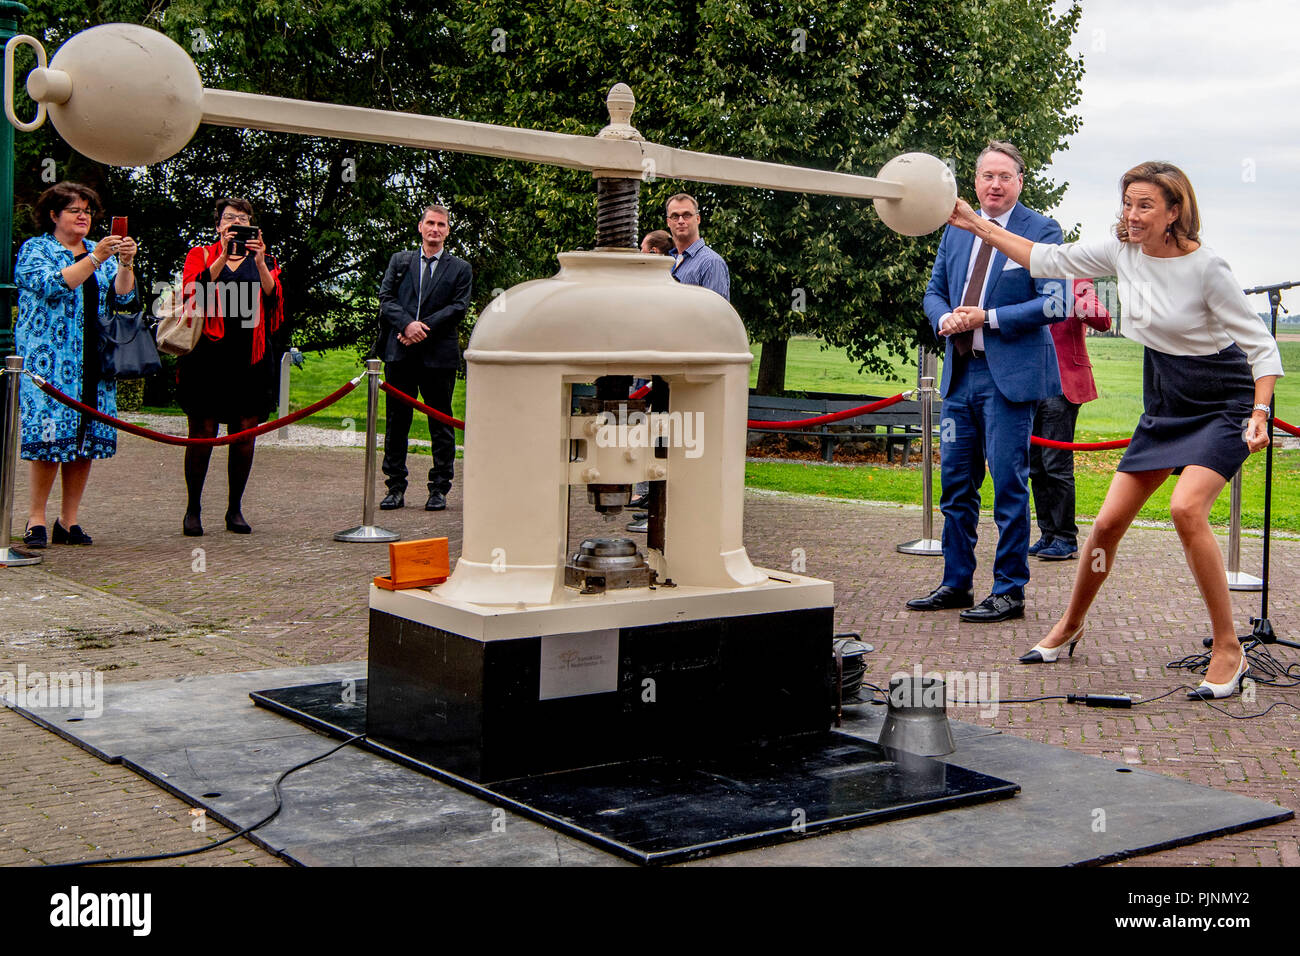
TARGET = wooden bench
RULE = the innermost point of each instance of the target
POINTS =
(901, 422)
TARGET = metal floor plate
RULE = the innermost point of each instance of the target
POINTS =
(203, 739)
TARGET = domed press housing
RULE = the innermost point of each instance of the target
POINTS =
(604, 313)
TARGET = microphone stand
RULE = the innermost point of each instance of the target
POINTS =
(1262, 630)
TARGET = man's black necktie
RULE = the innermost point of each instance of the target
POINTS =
(427, 264)
(963, 341)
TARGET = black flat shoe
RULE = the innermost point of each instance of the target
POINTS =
(237, 525)
(35, 537)
(73, 535)
(942, 598)
(191, 526)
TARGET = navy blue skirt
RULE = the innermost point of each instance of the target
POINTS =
(1195, 410)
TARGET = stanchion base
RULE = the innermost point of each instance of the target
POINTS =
(927, 546)
(1240, 581)
(366, 533)
(15, 557)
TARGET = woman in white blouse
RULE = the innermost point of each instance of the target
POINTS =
(1209, 366)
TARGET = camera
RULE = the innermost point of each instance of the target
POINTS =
(239, 236)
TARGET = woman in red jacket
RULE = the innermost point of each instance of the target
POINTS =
(229, 378)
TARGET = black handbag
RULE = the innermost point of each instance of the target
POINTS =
(126, 347)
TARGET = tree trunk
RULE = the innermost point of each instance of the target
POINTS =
(771, 367)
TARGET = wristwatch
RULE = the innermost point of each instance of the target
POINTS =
(1262, 408)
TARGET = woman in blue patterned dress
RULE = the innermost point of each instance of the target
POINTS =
(63, 280)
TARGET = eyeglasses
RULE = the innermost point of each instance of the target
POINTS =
(1003, 178)
(235, 217)
(77, 211)
(675, 216)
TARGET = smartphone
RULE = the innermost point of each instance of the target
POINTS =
(119, 226)
(239, 236)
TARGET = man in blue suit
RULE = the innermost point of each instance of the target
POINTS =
(999, 362)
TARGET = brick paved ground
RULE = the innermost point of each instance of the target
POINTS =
(146, 603)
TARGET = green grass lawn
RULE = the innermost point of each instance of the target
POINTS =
(325, 371)
(1117, 368)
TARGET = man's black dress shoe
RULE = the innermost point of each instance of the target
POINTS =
(392, 501)
(436, 502)
(942, 598)
(995, 607)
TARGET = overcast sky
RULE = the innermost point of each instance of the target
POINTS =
(1213, 87)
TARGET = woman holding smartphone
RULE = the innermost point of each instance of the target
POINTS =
(64, 282)
(229, 378)
(1209, 365)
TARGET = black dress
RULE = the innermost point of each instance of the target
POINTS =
(219, 378)
(1195, 409)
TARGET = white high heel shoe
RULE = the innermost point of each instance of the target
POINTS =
(1048, 655)
(1208, 691)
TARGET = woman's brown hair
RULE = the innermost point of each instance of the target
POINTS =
(59, 197)
(1177, 190)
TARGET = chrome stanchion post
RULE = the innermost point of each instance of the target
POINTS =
(928, 369)
(367, 530)
(286, 360)
(1237, 580)
(11, 557)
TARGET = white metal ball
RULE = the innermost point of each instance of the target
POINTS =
(929, 194)
(136, 95)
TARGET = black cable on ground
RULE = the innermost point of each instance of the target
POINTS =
(1122, 701)
(279, 805)
(1264, 667)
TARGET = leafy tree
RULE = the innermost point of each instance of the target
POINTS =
(844, 86)
(332, 211)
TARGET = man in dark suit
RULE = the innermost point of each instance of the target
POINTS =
(998, 364)
(422, 300)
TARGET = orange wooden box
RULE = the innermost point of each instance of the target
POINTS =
(416, 564)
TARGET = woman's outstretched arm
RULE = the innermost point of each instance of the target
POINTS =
(1015, 248)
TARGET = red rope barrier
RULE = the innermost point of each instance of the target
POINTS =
(149, 433)
(1080, 446)
(427, 409)
(833, 417)
(457, 423)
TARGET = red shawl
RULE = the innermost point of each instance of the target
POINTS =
(197, 274)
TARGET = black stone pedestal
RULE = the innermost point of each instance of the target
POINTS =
(480, 708)
(659, 742)
(672, 809)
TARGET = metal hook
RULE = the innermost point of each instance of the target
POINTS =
(35, 44)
